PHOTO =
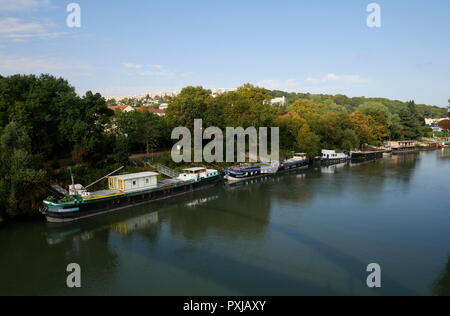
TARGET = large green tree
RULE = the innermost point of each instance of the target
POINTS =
(56, 119)
(412, 123)
(190, 104)
(21, 178)
(142, 131)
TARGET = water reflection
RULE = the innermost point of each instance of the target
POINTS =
(442, 287)
(444, 154)
(299, 232)
(332, 169)
(233, 211)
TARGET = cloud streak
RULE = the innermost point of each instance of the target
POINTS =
(21, 5)
(10, 65)
(333, 78)
(327, 82)
(17, 29)
(132, 66)
(156, 71)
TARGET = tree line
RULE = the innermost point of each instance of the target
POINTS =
(46, 126)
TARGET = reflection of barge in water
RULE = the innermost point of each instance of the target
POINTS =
(236, 185)
(126, 191)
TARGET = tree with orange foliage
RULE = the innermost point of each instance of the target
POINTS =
(444, 124)
(361, 124)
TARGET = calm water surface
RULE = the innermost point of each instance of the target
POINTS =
(300, 233)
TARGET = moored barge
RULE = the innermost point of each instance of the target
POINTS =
(125, 191)
(366, 155)
(333, 157)
(402, 147)
(250, 170)
(299, 160)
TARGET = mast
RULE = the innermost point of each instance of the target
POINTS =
(71, 176)
(110, 174)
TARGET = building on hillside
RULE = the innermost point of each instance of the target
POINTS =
(434, 122)
(122, 108)
(129, 108)
(216, 92)
(152, 110)
(278, 101)
(163, 106)
(158, 112)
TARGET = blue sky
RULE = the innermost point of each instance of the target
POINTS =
(133, 47)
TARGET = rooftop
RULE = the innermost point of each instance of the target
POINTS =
(195, 169)
(136, 175)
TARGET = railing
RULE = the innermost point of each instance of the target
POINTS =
(164, 170)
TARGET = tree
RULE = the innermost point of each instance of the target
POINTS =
(85, 127)
(361, 124)
(20, 177)
(289, 124)
(247, 106)
(190, 104)
(444, 124)
(307, 141)
(143, 131)
(349, 140)
(53, 116)
(381, 119)
(412, 128)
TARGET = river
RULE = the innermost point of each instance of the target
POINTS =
(311, 232)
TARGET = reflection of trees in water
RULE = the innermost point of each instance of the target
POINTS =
(442, 286)
(30, 266)
(444, 154)
(240, 208)
(291, 186)
(244, 208)
(243, 212)
(399, 167)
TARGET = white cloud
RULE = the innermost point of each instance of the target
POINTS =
(290, 84)
(132, 66)
(21, 5)
(333, 78)
(159, 71)
(328, 82)
(156, 71)
(16, 29)
(10, 65)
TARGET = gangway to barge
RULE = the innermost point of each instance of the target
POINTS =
(164, 170)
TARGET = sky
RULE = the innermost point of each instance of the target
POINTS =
(140, 46)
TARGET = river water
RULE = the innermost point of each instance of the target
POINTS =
(299, 233)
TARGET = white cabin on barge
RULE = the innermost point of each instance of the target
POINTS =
(133, 181)
(197, 174)
(333, 155)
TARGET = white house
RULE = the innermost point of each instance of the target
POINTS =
(129, 108)
(133, 182)
(279, 101)
(434, 122)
